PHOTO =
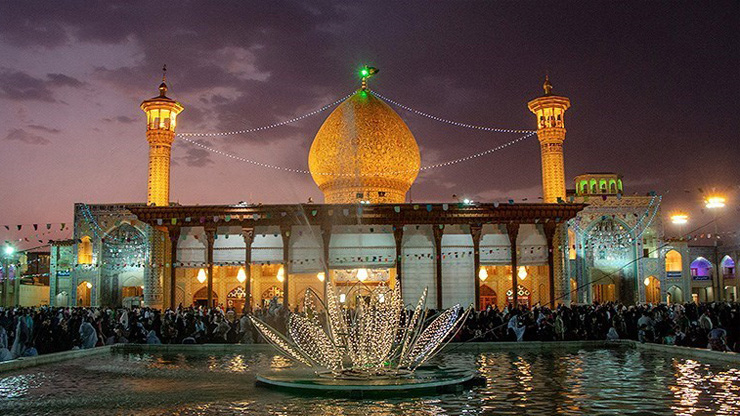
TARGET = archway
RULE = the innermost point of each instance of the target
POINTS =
(652, 290)
(125, 256)
(84, 293)
(487, 297)
(524, 297)
(673, 263)
(62, 299)
(84, 251)
(270, 294)
(236, 299)
(674, 294)
(728, 267)
(200, 298)
(701, 269)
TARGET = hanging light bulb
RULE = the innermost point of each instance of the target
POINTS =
(646, 281)
(381, 298)
(321, 276)
(201, 275)
(241, 275)
(483, 274)
(342, 298)
(89, 285)
(522, 272)
(362, 274)
(281, 274)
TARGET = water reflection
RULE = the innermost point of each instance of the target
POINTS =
(593, 382)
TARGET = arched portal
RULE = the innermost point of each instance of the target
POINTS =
(84, 293)
(524, 297)
(268, 295)
(673, 263)
(674, 294)
(125, 259)
(701, 269)
(487, 297)
(200, 298)
(236, 298)
(728, 267)
(652, 290)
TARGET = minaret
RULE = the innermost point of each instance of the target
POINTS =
(550, 111)
(161, 119)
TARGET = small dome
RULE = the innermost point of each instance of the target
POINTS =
(364, 152)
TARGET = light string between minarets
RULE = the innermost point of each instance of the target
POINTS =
(186, 137)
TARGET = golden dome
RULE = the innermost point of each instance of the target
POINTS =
(364, 152)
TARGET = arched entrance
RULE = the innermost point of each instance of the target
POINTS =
(62, 299)
(236, 299)
(487, 297)
(271, 293)
(200, 298)
(524, 297)
(674, 294)
(652, 290)
(125, 256)
(84, 293)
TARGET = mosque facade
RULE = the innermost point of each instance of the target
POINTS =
(571, 248)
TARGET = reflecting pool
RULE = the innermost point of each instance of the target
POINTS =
(593, 382)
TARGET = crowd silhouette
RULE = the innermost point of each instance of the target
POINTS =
(28, 332)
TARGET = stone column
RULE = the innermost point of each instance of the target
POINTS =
(438, 233)
(210, 237)
(475, 232)
(513, 230)
(174, 235)
(398, 237)
(549, 228)
(248, 235)
(153, 275)
(285, 232)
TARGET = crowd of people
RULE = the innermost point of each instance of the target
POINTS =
(41, 330)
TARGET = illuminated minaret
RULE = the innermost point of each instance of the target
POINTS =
(550, 111)
(161, 120)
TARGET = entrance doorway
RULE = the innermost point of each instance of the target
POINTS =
(84, 292)
(652, 290)
(200, 298)
(674, 294)
(524, 297)
(272, 293)
(487, 297)
(235, 299)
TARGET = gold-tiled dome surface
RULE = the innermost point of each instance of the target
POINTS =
(364, 147)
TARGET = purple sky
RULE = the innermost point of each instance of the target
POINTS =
(652, 86)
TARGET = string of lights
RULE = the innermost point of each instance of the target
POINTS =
(304, 171)
(269, 126)
(451, 122)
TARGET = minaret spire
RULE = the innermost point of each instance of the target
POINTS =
(366, 72)
(550, 112)
(163, 85)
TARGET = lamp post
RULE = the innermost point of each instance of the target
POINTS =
(8, 251)
(714, 202)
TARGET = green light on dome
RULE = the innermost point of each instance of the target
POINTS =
(364, 72)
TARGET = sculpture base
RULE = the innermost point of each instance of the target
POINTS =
(422, 382)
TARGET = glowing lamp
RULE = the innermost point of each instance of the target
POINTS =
(9, 250)
(201, 275)
(381, 298)
(522, 272)
(364, 72)
(342, 298)
(89, 285)
(646, 281)
(362, 274)
(483, 274)
(142, 287)
(714, 201)
(281, 274)
(321, 276)
(241, 275)
(679, 218)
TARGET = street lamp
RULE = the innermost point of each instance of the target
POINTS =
(713, 202)
(679, 218)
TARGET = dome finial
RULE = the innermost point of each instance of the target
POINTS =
(163, 85)
(365, 73)
(547, 86)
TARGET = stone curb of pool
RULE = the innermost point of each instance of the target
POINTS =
(695, 353)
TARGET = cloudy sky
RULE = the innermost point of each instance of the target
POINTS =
(652, 85)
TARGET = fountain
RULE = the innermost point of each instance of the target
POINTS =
(374, 346)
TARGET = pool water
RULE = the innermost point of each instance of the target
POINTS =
(592, 382)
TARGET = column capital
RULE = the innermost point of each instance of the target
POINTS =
(248, 235)
(549, 227)
(398, 234)
(475, 232)
(512, 229)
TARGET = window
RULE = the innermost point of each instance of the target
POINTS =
(728, 268)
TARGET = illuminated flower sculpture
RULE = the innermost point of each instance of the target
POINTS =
(375, 338)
